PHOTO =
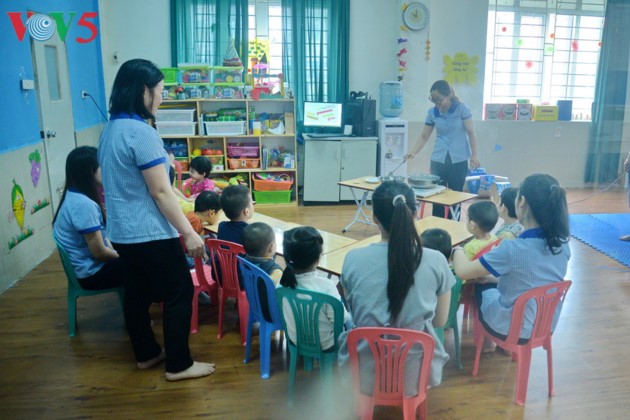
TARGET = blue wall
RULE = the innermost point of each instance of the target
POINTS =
(19, 110)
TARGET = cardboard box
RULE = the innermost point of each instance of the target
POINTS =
(492, 112)
(487, 183)
(525, 112)
(500, 111)
(289, 123)
(545, 113)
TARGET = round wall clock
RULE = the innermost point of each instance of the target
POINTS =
(416, 16)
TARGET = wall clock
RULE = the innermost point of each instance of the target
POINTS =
(416, 16)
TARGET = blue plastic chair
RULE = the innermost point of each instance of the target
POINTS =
(451, 322)
(305, 307)
(256, 281)
(75, 290)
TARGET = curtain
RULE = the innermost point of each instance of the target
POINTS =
(602, 164)
(316, 36)
(201, 29)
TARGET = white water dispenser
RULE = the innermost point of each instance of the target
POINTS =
(392, 146)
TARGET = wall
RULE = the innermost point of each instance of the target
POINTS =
(20, 128)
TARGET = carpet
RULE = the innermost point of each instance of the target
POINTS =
(602, 232)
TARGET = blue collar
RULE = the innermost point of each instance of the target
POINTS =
(532, 233)
(74, 190)
(125, 116)
(454, 105)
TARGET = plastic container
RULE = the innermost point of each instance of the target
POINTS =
(272, 185)
(390, 104)
(243, 163)
(171, 76)
(251, 150)
(175, 115)
(224, 128)
(175, 128)
(272, 197)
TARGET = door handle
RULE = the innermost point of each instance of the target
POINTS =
(50, 134)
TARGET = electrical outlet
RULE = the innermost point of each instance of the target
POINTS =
(84, 94)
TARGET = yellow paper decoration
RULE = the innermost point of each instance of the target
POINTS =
(461, 69)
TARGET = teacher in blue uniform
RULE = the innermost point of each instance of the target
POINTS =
(456, 142)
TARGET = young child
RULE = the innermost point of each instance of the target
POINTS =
(437, 239)
(259, 241)
(238, 206)
(199, 171)
(302, 250)
(511, 228)
(207, 210)
(482, 218)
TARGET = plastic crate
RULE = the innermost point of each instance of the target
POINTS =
(224, 128)
(175, 115)
(243, 163)
(272, 197)
(175, 128)
(225, 74)
(283, 184)
(195, 73)
(179, 151)
(184, 163)
(171, 75)
(251, 151)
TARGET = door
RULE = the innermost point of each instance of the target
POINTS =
(358, 159)
(55, 110)
(321, 170)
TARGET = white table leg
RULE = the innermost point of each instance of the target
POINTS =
(360, 216)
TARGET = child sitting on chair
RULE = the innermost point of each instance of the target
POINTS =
(238, 206)
(482, 218)
(207, 210)
(259, 241)
(302, 249)
(438, 239)
(199, 171)
(511, 228)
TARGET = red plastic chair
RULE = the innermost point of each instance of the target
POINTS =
(223, 256)
(547, 298)
(390, 347)
(178, 169)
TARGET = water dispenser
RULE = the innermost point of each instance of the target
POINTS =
(390, 103)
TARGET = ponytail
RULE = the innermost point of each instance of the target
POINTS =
(302, 248)
(288, 277)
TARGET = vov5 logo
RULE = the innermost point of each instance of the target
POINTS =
(42, 27)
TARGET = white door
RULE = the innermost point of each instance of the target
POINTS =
(358, 158)
(55, 110)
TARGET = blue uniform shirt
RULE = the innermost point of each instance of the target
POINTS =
(451, 135)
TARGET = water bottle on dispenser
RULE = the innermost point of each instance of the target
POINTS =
(390, 105)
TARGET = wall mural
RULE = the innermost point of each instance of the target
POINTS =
(36, 166)
(18, 205)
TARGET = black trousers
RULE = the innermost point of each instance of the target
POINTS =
(158, 272)
(112, 274)
(452, 175)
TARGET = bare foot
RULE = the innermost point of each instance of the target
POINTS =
(197, 370)
(488, 346)
(152, 362)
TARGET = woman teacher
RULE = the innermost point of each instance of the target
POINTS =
(455, 143)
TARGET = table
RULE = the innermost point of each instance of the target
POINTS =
(332, 262)
(451, 199)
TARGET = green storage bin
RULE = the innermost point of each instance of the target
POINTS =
(171, 76)
(272, 197)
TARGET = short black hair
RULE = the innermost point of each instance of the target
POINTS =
(484, 214)
(257, 237)
(508, 197)
(128, 90)
(207, 200)
(202, 165)
(437, 239)
(235, 199)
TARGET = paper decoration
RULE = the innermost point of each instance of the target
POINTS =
(18, 204)
(24, 233)
(402, 63)
(40, 205)
(575, 46)
(461, 69)
(257, 49)
(231, 58)
(529, 64)
(36, 166)
(427, 49)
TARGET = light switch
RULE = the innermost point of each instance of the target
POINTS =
(28, 84)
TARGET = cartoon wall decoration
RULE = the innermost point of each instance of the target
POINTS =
(18, 206)
(36, 166)
(40, 205)
(461, 69)
(257, 48)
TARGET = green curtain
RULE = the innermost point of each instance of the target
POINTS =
(316, 36)
(202, 28)
(602, 164)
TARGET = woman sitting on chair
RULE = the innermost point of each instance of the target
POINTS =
(79, 224)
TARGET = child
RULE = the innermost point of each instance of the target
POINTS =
(237, 204)
(511, 228)
(259, 241)
(186, 204)
(207, 210)
(199, 171)
(482, 218)
(437, 239)
(302, 250)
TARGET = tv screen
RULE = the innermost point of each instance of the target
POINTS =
(322, 114)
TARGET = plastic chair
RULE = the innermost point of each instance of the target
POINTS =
(547, 298)
(256, 281)
(75, 290)
(223, 257)
(451, 322)
(389, 347)
(305, 307)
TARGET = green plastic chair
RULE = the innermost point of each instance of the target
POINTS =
(305, 306)
(75, 290)
(451, 322)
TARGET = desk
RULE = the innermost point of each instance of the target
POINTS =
(332, 262)
(451, 199)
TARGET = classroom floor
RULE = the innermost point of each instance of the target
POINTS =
(46, 374)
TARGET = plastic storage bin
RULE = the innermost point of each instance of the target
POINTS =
(224, 128)
(250, 150)
(195, 73)
(224, 74)
(234, 163)
(175, 115)
(171, 76)
(272, 197)
(390, 99)
(175, 128)
(261, 184)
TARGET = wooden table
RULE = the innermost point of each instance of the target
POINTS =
(332, 262)
(449, 198)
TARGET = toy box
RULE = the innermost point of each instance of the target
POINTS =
(243, 163)
(545, 113)
(272, 197)
(175, 115)
(171, 76)
(229, 92)
(222, 74)
(500, 111)
(524, 112)
(195, 73)
(272, 182)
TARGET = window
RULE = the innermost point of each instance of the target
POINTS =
(543, 51)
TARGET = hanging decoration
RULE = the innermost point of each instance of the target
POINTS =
(575, 46)
(461, 69)
(402, 63)
(36, 166)
(427, 47)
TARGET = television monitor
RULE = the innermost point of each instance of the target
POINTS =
(323, 116)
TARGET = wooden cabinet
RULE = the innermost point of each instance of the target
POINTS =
(244, 146)
(334, 159)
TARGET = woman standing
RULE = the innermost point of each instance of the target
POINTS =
(455, 143)
(398, 286)
(143, 221)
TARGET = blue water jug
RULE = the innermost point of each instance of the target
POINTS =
(391, 99)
